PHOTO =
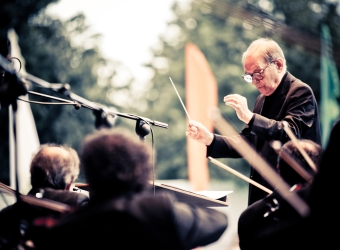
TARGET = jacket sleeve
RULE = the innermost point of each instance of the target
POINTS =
(220, 147)
(299, 110)
(179, 225)
(198, 226)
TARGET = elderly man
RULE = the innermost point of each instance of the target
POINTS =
(53, 169)
(282, 98)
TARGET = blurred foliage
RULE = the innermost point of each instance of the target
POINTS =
(51, 55)
(223, 30)
(65, 52)
(15, 13)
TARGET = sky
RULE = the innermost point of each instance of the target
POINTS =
(129, 28)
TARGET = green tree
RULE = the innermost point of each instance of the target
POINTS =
(63, 52)
(222, 30)
(222, 41)
(51, 53)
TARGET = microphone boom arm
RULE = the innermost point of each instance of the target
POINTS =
(91, 105)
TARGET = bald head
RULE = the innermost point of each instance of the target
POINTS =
(54, 152)
(54, 166)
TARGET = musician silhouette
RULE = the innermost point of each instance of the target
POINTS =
(123, 210)
(289, 231)
(53, 169)
(289, 174)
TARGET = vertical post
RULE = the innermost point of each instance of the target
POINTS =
(14, 182)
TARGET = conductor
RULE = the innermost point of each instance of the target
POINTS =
(282, 97)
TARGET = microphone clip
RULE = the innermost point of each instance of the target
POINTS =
(142, 128)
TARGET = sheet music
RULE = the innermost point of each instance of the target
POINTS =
(214, 194)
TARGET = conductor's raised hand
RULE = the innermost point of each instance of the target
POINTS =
(199, 132)
(239, 103)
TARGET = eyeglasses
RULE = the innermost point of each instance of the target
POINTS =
(258, 75)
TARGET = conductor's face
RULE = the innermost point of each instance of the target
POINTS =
(265, 76)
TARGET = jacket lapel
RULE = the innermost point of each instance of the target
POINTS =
(280, 96)
(259, 104)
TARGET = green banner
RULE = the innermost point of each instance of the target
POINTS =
(329, 106)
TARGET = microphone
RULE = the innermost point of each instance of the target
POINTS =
(142, 129)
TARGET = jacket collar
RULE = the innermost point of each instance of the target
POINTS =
(279, 94)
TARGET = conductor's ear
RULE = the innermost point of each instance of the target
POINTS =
(279, 64)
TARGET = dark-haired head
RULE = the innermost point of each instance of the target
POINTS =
(312, 149)
(115, 162)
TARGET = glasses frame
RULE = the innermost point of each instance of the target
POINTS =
(258, 75)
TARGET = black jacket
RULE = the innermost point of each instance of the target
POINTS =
(16, 221)
(293, 101)
(144, 221)
(284, 228)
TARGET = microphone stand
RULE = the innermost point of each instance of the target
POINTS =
(142, 123)
(13, 146)
(11, 87)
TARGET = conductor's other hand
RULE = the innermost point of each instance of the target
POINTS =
(198, 132)
(239, 103)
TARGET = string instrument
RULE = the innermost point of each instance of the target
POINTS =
(248, 152)
(298, 146)
(35, 215)
(271, 219)
(41, 202)
(287, 157)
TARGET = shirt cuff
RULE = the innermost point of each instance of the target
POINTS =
(251, 121)
(211, 146)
